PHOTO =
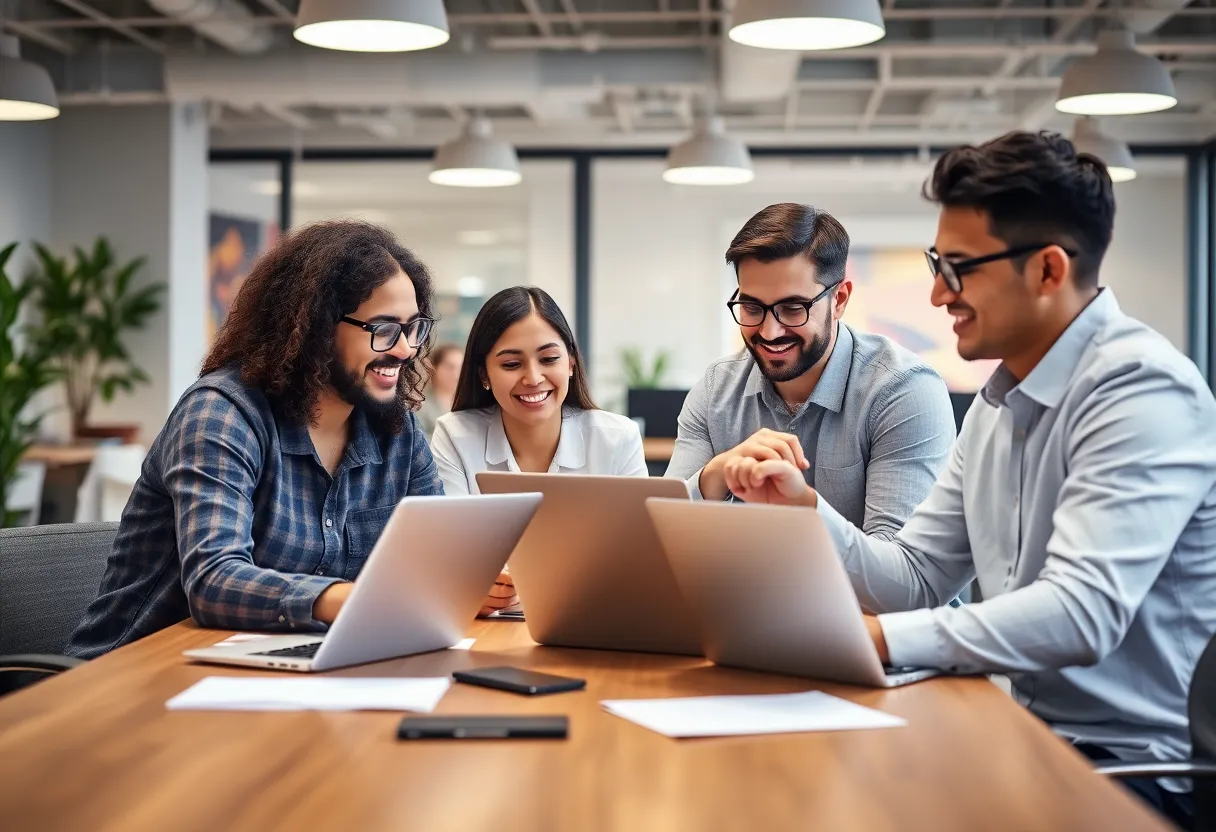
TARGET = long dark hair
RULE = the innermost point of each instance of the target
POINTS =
(280, 330)
(496, 316)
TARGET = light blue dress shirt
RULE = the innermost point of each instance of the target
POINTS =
(1084, 501)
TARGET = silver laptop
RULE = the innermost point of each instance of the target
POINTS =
(590, 571)
(770, 592)
(421, 587)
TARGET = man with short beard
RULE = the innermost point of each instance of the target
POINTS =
(867, 422)
(274, 475)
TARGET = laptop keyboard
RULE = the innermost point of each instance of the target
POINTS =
(300, 651)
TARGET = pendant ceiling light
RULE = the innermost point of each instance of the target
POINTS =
(26, 91)
(709, 157)
(806, 24)
(1116, 80)
(372, 25)
(1088, 138)
(476, 159)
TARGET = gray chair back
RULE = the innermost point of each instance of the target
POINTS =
(48, 577)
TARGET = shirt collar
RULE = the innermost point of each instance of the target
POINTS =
(361, 446)
(571, 452)
(829, 390)
(1048, 381)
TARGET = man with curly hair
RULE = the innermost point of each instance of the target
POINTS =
(274, 475)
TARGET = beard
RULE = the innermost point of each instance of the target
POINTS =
(384, 417)
(803, 357)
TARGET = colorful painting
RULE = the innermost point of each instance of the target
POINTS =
(891, 297)
(234, 244)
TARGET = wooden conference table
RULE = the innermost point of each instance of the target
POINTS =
(95, 749)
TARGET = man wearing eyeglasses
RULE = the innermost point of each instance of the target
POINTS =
(866, 422)
(1082, 490)
(274, 475)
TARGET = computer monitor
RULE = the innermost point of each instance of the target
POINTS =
(658, 409)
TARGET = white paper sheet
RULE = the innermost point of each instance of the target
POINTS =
(721, 716)
(240, 693)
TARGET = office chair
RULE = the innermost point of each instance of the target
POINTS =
(48, 576)
(1201, 768)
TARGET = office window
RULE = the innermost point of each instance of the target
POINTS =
(475, 241)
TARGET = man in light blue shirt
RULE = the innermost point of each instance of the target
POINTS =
(1081, 492)
(867, 421)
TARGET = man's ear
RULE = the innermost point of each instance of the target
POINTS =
(1050, 269)
(840, 298)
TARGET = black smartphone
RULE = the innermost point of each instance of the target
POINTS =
(482, 727)
(518, 680)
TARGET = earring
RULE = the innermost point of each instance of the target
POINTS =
(486, 385)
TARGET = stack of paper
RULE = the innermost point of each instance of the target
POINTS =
(243, 693)
(720, 716)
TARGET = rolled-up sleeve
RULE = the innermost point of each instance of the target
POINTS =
(211, 464)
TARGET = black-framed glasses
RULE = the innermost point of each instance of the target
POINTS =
(386, 334)
(952, 271)
(791, 313)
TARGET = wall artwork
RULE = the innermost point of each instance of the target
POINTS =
(234, 243)
(891, 297)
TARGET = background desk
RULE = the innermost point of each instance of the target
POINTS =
(95, 749)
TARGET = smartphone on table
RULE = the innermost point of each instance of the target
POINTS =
(518, 680)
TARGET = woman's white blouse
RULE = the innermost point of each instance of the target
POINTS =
(592, 442)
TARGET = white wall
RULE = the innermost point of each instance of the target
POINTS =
(25, 189)
(138, 176)
(1146, 262)
(187, 246)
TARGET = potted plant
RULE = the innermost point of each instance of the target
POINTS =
(86, 307)
(647, 399)
(23, 372)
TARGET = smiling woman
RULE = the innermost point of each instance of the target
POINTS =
(522, 403)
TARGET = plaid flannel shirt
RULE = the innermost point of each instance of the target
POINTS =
(235, 522)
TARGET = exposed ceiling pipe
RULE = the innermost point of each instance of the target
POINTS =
(227, 22)
(1148, 16)
(558, 83)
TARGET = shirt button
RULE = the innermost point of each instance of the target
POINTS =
(1020, 434)
(320, 570)
(328, 522)
(282, 619)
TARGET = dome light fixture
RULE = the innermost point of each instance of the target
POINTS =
(1088, 138)
(372, 25)
(26, 90)
(476, 159)
(807, 25)
(709, 157)
(1116, 80)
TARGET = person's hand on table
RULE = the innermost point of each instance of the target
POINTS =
(874, 627)
(502, 595)
(330, 602)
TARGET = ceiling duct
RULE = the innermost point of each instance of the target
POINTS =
(226, 22)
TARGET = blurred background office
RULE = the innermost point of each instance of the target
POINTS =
(606, 152)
